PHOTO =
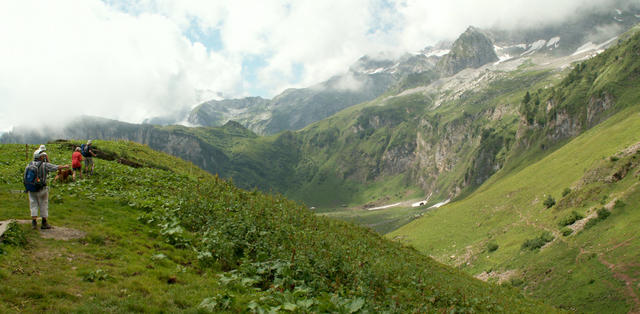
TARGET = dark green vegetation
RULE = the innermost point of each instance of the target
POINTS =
(14, 236)
(164, 236)
(582, 133)
(570, 219)
(536, 243)
(603, 213)
(549, 202)
(492, 246)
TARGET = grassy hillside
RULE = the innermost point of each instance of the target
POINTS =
(162, 235)
(591, 269)
(558, 220)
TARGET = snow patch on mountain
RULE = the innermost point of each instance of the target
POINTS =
(503, 58)
(437, 53)
(589, 46)
(584, 48)
(374, 71)
(503, 53)
(553, 42)
(534, 47)
(186, 123)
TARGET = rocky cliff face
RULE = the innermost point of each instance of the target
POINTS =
(471, 50)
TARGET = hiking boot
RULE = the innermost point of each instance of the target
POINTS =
(34, 224)
(45, 225)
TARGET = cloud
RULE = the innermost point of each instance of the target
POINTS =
(427, 21)
(65, 58)
(132, 60)
(348, 82)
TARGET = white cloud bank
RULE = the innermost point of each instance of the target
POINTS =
(131, 60)
(60, 59)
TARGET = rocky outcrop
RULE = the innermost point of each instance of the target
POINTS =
(472, 49)
(557, 124)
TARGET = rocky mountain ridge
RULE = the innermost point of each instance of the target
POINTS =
(370, 77)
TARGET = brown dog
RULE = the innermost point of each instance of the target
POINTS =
(63, 175)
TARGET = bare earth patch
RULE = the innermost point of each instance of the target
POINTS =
(499, 276)
(58, 233)
(62, 233)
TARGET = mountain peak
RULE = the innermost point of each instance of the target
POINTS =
(471, 50)
(471, 29)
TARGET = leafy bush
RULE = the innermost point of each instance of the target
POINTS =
(570, 219)
(492, 246)
(547, 236)
(566, 192)
(619, 204)
(549, 202)
(14, 235)
(220, 302)
(590, 223)
(566, 231)
(97, 275)
(536, 243)
(603, 213)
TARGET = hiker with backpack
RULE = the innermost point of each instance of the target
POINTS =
(88, 155)
(35, 183)
(40, 149)
(76, 163)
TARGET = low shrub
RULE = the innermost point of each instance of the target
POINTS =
(603, 213)
(14, 235)
(619, 204)
(97, 275)
(549, 202)
(566, 231)
(570, 219)
(536, 243)
(492, 246)
(566, 192)
(592, 222)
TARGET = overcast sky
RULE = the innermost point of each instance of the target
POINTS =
(132, 60)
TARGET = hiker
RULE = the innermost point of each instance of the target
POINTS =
(40, 149)
(76, 163)
(88, 155)
(35, 180)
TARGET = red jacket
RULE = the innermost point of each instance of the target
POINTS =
(76, 160)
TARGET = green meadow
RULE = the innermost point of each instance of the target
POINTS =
(156, 234)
